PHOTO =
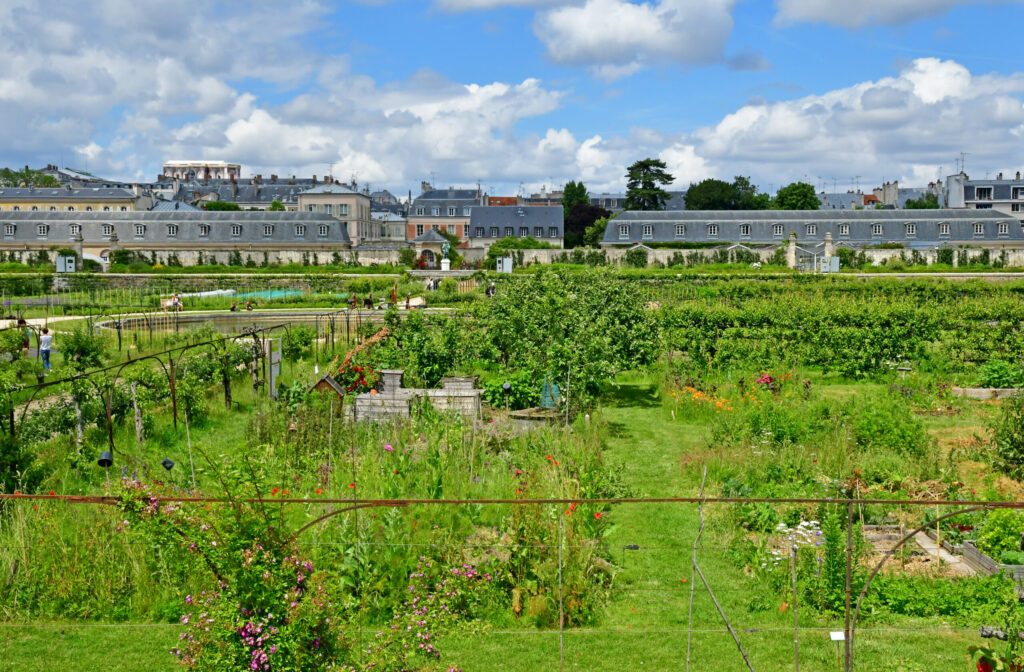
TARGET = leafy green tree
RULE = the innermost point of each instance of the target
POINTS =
(711, 194)
(714, 194)
(221, 206)
(574, 193)
(797, 196)
(595, 232)
(580, 218)
(645, 180)
(26, 178)
(276, 206)
(927, 202)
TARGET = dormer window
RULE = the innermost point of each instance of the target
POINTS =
(76, 229)
(9, 229)
(42, 230)
(140, 230)
(172, 230)
(323, 230)
(300, 230)
(204, 230)
(108, 230)
(812, 229)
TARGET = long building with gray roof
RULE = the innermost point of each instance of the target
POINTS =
(855, 228)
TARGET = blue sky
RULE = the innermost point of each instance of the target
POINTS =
(510, 92)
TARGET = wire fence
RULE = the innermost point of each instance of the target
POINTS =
(678, 589)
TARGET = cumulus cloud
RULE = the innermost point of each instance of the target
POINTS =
(864, 12)
(905, 126)
(471, 5)
(616, 38)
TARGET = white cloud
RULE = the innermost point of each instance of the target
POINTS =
(616, 38)
(472, 5)
(864, 12)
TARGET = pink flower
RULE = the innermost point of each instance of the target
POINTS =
(388, 448)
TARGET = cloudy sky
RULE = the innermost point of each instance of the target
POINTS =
(517, 92)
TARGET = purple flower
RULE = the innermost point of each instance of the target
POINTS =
(388, 448)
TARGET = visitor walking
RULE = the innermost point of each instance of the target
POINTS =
(45, 342)
(26, 336)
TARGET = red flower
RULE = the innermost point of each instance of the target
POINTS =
(682, 580)
(17, 493)
(319, 491)
(548, 458)
(274, 491)
(284, 492)
(597, 515)
(52, 493)
(519, 472)
(572, 507)
(351, 486)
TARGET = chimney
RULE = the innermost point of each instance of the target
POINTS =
(292, 181)
(273, 179)
(999, 176)
(1018, 175)
(258, 180)
(314, 179)
(425, 187)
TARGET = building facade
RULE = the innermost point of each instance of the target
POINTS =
(1003, 194)
(202, 170)
(444, 210)
(71, 199)
(191, 236)
(488, 224)
(346, 204)
(854, 228)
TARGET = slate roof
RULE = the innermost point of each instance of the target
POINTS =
(516, 216)
(65, 194)
(430, 236)
(333, 188)
(173, 206)
(449, 195)
(846, 226)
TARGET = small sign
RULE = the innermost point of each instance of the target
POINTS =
(837, 636)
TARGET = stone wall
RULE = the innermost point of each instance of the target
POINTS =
(393, 401)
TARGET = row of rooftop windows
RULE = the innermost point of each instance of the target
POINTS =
(436, 211)
(510, 232)
(778, 230)
(985, 193)
(43, 230)
(70, 208)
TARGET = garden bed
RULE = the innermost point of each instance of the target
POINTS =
(955, 549)
(985, 393)
(986, 565)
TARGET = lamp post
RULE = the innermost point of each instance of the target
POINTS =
(506, 389)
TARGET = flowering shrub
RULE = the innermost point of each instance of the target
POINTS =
(270, 609)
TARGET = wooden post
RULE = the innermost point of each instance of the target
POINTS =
(138, 413)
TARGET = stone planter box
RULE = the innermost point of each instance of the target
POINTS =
(954, 549)
(984, 393)
(459, 383)
(532, 418)
(983, 564)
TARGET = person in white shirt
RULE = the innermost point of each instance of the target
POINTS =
(45, 342)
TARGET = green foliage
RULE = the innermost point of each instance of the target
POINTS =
(407, 257)
(297, 341)
(26, 178)
(927, 202)
(796, 196)
(1000, 373)
(579, 221)
(276, 206)
(644, 182)
(886, 423)
(221, 206)
(83, 349)
(714, 194)
(574, 193)
(524, 390)
(1000, 533)
(635, 258)
(1008, 436)
(595, 232)
(503, 246)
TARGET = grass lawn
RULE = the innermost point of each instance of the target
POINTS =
(645, 626)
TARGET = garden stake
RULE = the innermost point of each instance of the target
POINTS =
(847, 644)
(796, 622)
(561, 607)
(693, 566)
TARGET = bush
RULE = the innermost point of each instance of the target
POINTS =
(1000, 533)
(296, 342)
(1008, 437)
(635, 258)
(888, 424)
(1000, 373)
(84, 348)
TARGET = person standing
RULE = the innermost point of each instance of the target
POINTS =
(45, 342)
(26, 336)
